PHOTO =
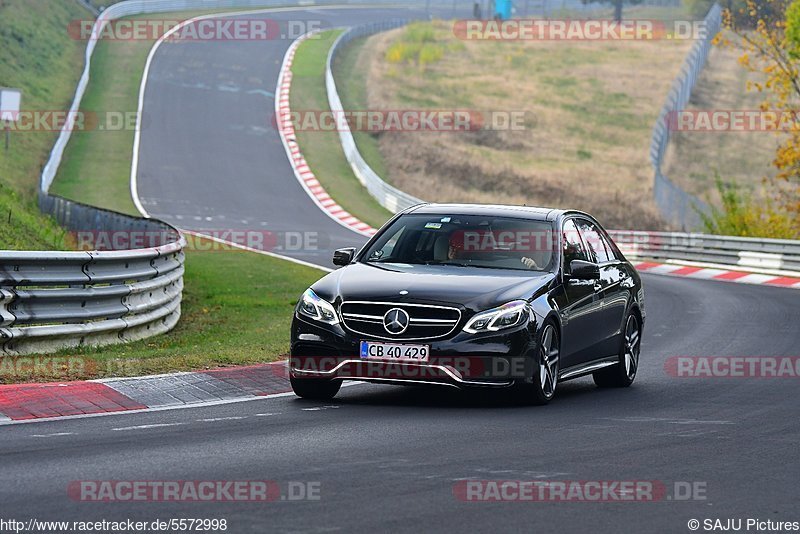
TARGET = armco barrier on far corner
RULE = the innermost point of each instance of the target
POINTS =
(55, 300)
(757, 254)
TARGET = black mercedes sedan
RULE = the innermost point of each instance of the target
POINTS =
(473, 296)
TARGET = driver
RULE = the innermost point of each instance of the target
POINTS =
(456, 250)
(456, 246)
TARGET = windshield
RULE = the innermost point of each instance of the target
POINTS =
(466, 241)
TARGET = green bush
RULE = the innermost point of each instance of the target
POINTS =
(744, 215)
(430, 53)
(403, 52)
(420, 32)
(417, 45)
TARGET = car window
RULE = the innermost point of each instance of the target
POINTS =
(594, 242)
(612, 256)
(385, 251)
(483, 241)
(573, 246)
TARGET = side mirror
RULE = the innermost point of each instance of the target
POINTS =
(584, 270)
(344, 256)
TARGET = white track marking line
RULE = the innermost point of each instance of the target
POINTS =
(165, 408)
(146, 427)
(147, 410)
(258, 251)
(134, 186)
(53, 435)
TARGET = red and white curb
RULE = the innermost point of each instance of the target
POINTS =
(720, 275)
(301, 169)
(27, 402)
(38, 402)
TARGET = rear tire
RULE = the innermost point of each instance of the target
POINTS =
(623, 373)
(315, 388)
(545, 369)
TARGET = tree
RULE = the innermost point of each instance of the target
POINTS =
(793, 29)
(769, 37)
(617, 5)
(743, 214)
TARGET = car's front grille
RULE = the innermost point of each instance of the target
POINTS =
(425, 321)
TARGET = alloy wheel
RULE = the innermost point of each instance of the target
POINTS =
(548, 361)
(632, 346)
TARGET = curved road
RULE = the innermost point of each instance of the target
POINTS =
(387, 458)
(210, 158)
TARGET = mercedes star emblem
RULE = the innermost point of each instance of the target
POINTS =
(396, 321)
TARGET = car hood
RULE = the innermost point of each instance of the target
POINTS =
(471, 287)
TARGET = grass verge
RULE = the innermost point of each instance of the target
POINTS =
(113, 91)
(589, 111)
(741, 158)
(39, 57)
(322, 149)
(237, 310)
(237, 306)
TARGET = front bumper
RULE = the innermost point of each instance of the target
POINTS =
(492, 360)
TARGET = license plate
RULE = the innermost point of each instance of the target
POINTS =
(394, 352)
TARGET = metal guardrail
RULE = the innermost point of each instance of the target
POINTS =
(129, 8)
(745, 252)
(385, 194)
(676, 205)
(749, 253)
(55, 300)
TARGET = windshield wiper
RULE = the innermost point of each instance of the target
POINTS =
(446, 263)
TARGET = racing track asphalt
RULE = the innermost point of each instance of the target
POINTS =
(387, 457)
(210, 156)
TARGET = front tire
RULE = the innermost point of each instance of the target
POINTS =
(623, 373)
(545, 369)
(315, 388)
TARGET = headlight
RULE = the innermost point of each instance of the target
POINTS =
(313, 307)
(506, 316)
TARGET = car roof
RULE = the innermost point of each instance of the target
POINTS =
(499, 210)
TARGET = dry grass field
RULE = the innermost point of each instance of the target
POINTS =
(745, 158)
(590, 110)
